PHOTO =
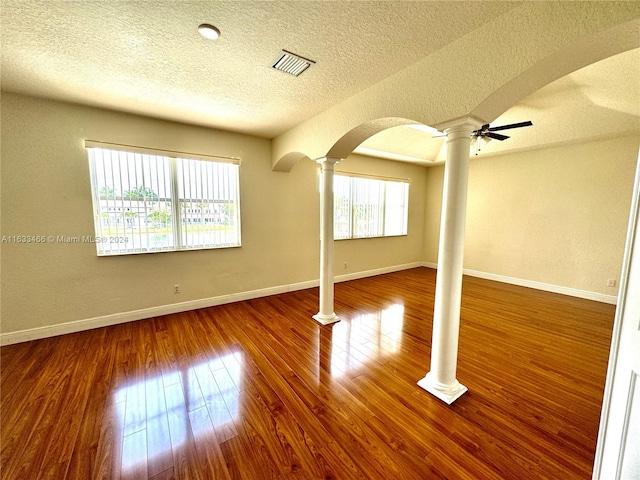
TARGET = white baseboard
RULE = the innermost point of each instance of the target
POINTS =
(116, 318)
(378, 271)
(123, 317)
(547, 287)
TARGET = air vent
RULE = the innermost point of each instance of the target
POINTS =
(291, 63)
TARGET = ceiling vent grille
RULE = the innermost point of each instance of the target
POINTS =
(291, 63)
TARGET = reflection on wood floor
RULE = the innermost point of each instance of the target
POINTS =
(258, 389)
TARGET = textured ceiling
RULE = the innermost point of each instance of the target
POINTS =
(147, 58)
(601, 100)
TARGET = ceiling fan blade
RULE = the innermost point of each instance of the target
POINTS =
(512, 125)
(497, 136)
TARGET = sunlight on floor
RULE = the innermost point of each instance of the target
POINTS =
(158, 414)
(366, 337)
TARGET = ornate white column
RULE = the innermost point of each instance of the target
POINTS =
(326, 315)
(441, 380)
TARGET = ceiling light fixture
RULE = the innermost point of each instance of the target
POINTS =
(209, 31)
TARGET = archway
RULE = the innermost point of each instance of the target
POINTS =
(445, 85)
(456, 109)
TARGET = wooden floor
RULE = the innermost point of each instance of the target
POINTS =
(258, 389)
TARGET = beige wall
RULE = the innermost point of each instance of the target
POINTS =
(46, 191)
(555, 215)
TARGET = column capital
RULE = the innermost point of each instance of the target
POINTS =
(328, 161)
(473, 122)
(460, 127)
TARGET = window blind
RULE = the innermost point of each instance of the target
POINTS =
(147, 201)
(366, 207)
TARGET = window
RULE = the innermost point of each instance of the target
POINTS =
(369, 207)
(156, 201)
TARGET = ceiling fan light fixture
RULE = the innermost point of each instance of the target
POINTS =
(209, 31)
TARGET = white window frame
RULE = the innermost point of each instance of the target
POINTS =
(384, 183)
(175, 192)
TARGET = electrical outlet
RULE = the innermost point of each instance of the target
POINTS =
(176, 289)
(611, 282)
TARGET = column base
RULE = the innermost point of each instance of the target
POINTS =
(447, 393)
(326, 319)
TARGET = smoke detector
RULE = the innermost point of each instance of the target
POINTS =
(291, 63)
